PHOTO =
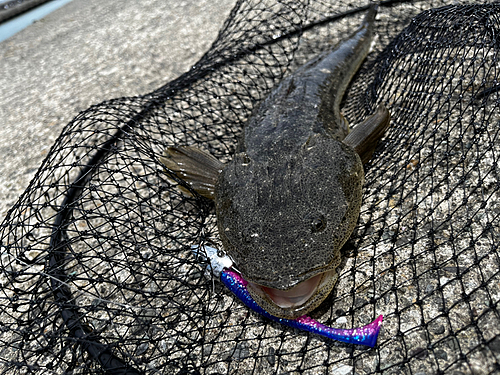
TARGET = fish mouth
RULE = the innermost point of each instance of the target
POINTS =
(296, 301)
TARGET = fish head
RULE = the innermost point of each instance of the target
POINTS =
(284, 220)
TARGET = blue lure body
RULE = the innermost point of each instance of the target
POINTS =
(366, 335)
(221, 266)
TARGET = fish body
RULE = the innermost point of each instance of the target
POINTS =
(290, 197)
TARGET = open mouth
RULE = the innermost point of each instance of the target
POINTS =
(296, 296)
(297, 301)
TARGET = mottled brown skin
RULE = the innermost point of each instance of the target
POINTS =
(284, 219)
(291, 196)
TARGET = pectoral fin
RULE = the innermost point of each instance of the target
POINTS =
(364, 137)
(197, 168)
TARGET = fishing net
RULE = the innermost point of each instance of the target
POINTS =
(97, 271)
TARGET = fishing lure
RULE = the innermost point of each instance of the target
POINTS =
(221, 267)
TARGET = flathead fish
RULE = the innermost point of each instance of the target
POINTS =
(290, 197)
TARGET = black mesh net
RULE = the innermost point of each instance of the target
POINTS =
(97, 272)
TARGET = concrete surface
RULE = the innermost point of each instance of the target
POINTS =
(86, 52)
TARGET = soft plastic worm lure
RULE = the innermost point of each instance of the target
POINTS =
(222, 267)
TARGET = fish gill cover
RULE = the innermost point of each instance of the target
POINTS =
(97, 274)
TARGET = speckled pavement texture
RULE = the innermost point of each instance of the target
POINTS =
(82, 54)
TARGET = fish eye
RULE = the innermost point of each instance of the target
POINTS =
(317, 223)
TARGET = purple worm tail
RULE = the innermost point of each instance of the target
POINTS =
(366, 335)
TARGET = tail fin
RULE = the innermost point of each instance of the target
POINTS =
(372, 13)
